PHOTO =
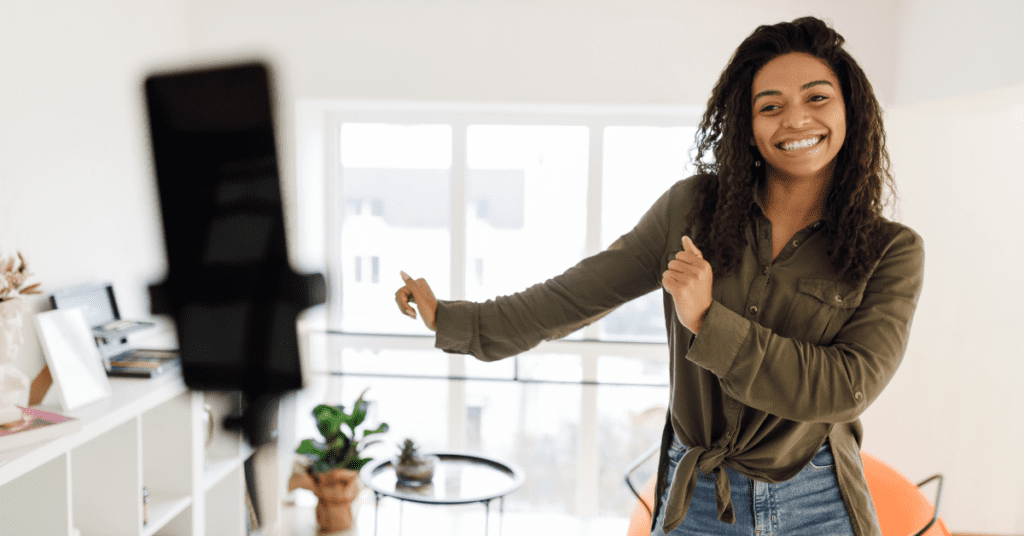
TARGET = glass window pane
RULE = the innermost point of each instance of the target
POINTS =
(640, 164)
(534, 426)
(633, 369)
(551, 367)
(393, 362)
(503, 369)
(630, 421)
(395, 181)
(526, 206)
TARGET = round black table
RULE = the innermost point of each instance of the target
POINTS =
(459, 478)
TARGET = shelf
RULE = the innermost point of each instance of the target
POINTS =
(129, 397)
(225, 450)
(37, 503)
(105, 494)
(162, 508)
(216, 470)
(152, 434)
(227, 497)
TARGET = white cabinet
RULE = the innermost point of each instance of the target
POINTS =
(151, 434)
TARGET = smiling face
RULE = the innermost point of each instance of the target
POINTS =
(799, 117)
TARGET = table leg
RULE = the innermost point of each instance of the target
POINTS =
(487, 517)
(376, 507)
(501, 516)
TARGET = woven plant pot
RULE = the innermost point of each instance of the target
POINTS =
(336, 490)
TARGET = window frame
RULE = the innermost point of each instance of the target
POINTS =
(459, 117)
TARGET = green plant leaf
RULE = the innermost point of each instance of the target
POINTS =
(308, 446)
(340, 444)
(346, 420)
(358, 414)
(359, 411)
(329, 419)
(380, 430)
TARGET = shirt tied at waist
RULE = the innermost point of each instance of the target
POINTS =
(684, 481)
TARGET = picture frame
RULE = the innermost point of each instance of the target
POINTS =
(73, 357)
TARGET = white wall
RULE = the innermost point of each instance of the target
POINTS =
(76, 192)
(951, 48)
(956, 405)
(547, 51)
(956, 135)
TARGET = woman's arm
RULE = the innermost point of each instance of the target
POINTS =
(508, 325)
(805, 382)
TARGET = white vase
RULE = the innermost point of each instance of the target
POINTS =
(13, 383)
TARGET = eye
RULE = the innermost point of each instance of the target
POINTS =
(769, 108)
(818, 98)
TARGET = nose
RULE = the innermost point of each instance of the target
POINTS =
(795, 116)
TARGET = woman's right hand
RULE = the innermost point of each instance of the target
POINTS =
(418, 291)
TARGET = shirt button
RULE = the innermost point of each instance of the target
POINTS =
(839, 298)
(728, 435)
(764, 270)
(858, 396)
(796, 243)
(753, 309)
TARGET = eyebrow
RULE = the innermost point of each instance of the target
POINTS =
(803, 87)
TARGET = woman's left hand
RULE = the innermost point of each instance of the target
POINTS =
(688, 280)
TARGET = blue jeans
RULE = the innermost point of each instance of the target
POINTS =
(808, 504)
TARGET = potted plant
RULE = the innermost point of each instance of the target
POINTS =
(411, 467)
(334, 463)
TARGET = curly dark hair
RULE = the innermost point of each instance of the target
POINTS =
(853, 211)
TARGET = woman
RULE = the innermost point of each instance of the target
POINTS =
(783, 326)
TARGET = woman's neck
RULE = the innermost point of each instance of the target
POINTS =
(794, 200)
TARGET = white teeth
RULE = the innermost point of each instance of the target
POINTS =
(801, 144)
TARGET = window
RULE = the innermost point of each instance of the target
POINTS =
(639, 165)
(395, 181)
(484, 202)
(528, 184)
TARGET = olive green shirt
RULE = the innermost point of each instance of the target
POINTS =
(788, 354)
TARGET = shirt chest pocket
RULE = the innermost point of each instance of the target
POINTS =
(820, 308)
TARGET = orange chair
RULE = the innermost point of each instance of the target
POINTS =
(901, 506)
(640, 521)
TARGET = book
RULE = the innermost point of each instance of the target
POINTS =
(38, 425)
(144, 363)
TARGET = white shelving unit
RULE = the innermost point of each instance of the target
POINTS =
(150, 434)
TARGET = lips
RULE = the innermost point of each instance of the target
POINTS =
(801, 143)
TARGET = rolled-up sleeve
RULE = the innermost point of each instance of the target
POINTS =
(806, 382)
(510, 325)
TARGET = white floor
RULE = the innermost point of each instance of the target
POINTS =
(299, 519)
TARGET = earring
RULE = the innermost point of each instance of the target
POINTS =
(757, 163)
